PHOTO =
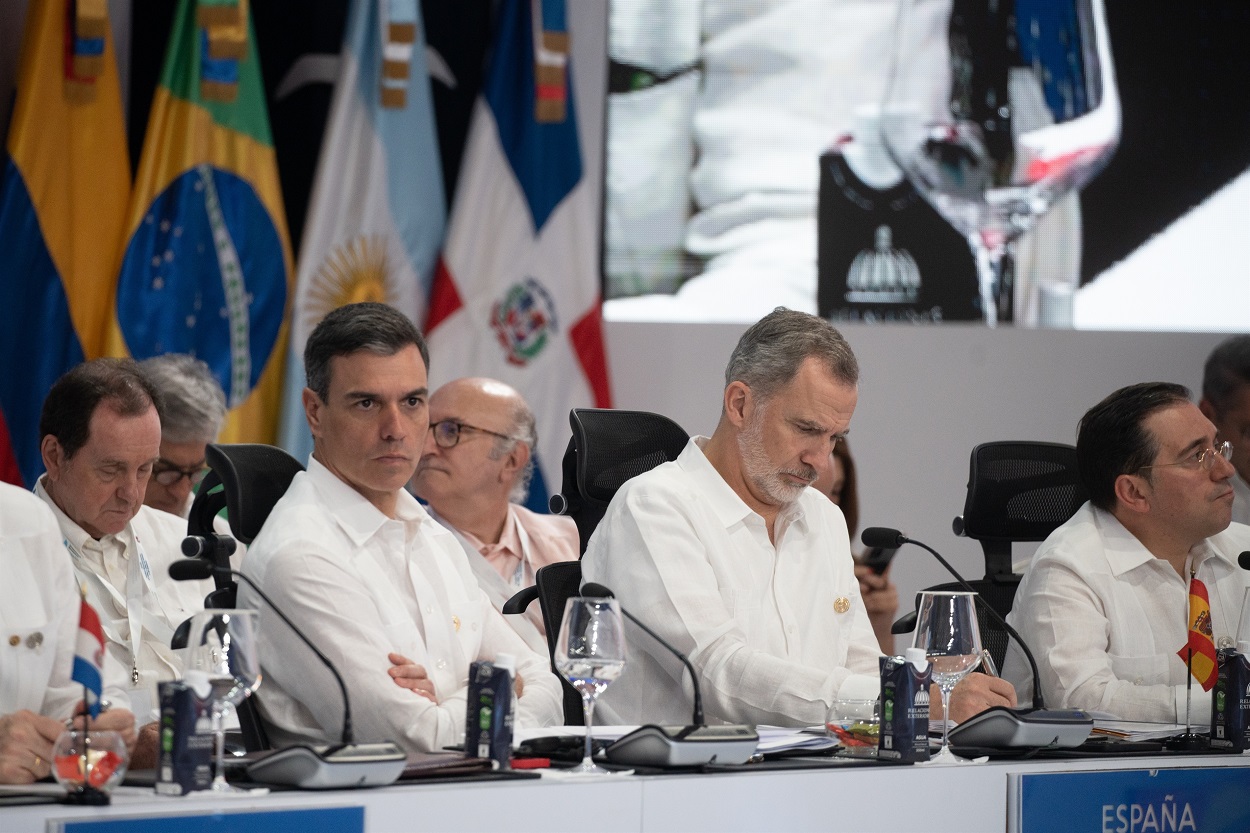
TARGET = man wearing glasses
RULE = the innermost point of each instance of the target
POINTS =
(101, 438)
(1105, 602)
(192, 413)
(474, 471)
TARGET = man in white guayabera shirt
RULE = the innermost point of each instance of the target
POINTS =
(364, 571)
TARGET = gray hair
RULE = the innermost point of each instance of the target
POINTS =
(378, 328)
(1227, 370)
(193, 405)
(524, 430)
(770, 352)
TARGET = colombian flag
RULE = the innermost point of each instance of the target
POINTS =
(207, 263)
(1200, 644)
(63, 195)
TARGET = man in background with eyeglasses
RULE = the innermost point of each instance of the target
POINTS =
(474, 472)
(192, 413)
(101, 437)
(1226, 402)
(1105, 602)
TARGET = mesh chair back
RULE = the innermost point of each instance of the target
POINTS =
(557, 583)
(609, 447)
(1018, 491)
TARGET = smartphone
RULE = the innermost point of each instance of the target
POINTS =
(878, 558)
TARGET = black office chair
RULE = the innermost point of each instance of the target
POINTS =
(607, 448)
(1017, 491)
(556, 584)
(246, 479)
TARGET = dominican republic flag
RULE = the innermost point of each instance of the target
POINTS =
(516, 293)
(63, 194)
(377, 214)
(89, 657)
(1198, 652)
(206, 262)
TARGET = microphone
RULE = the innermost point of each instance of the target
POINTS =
(999, 726)
(693, 745)
(346, 764)
(599, 591)
(880, 536)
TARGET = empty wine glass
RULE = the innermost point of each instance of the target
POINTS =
(222, 649)
(590, 654)
(994, 110)
(947, 630)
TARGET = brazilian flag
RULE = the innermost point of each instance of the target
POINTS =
(206, 268)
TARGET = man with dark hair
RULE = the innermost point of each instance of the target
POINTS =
(474, 474)
(1104, 603)
(361, 567)
(730, 556)
(1226, 402)
(101, 437)
(192, 411)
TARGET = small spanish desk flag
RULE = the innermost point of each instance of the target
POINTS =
(1199, 650)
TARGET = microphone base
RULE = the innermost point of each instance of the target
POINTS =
(676, 746)
(330, 767)
(1003, 728)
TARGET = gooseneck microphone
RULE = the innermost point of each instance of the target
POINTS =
(196, 569)
(598, 591)
(880, 536)
(693, 745)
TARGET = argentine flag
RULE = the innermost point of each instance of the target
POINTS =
(376, 217)
(516, 296)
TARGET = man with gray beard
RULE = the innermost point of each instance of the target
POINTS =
(730, 556)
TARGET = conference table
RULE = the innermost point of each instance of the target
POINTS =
(1167, 792)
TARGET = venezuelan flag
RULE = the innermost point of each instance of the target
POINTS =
(63, 195)
(207, 264)
(1199, 649)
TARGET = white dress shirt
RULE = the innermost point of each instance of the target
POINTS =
(39, 606)
(1241, 500)
(362, 585)
(1105, 619)
(775, 633)
(126, 577)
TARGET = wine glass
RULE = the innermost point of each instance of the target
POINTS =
(590, 653)
(222, 650)
(947, 630)
(994, 110)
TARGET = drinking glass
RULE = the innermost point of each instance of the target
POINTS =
(590, 653)
(222, 649)
(946, 628)
(995, 109)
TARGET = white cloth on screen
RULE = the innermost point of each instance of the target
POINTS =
(362, 585)
(105, 567)
(39, 606)
(1105, 619)
(530, 541)
(1241, 500)
(775, 633)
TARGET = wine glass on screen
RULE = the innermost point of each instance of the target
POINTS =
(947, 630)
(994, 110)
(590, 653)
(222, 650)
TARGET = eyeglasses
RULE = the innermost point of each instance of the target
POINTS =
(447, 433)
(1203, 457)
(167, 474)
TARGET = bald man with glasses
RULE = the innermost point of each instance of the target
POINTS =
(474, 473)
(1104, 603)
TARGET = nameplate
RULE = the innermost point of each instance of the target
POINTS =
(1200, 799)
(315, 820)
